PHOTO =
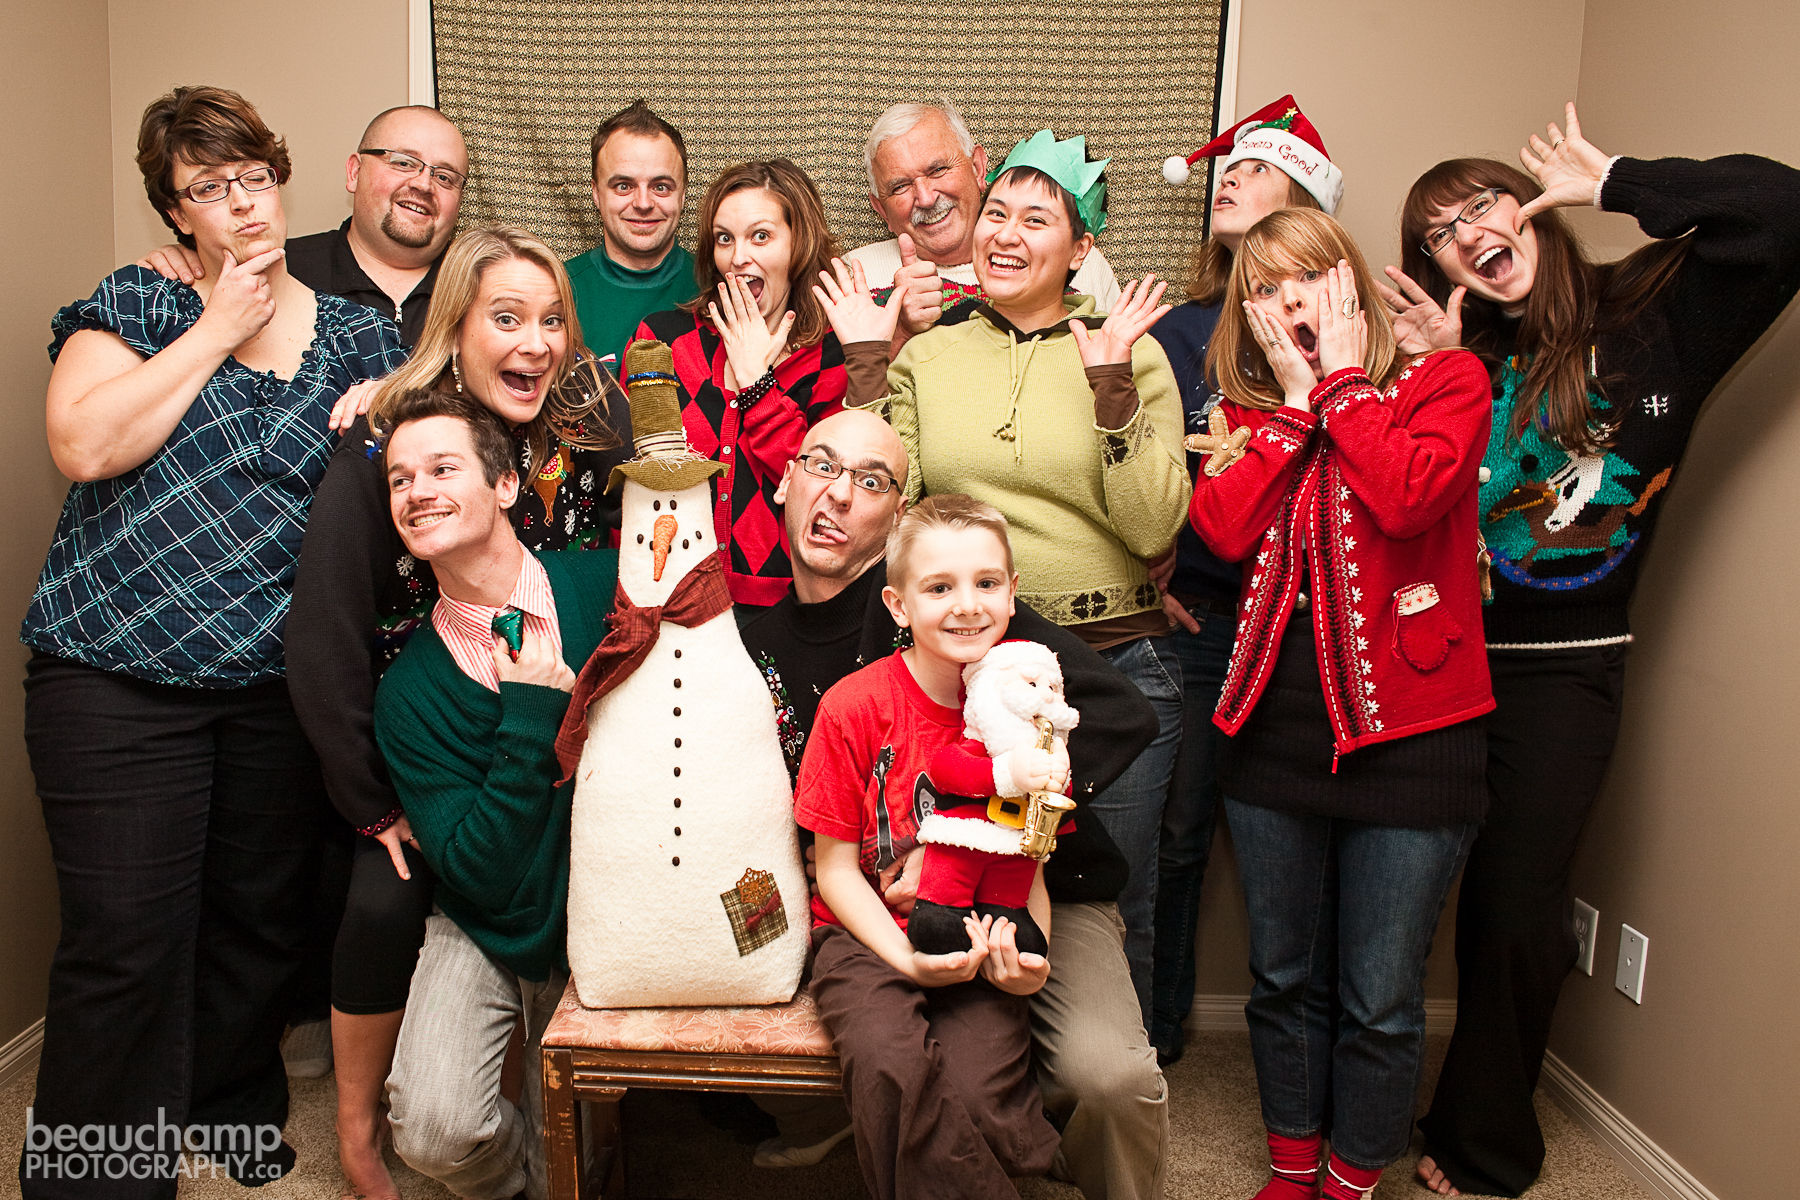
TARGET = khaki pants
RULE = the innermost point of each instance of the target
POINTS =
(1095, 1068)
(450, 1120)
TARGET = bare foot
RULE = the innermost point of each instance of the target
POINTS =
(1434, 1179)
(365, 1170)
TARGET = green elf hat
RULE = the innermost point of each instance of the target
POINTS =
(1066, 162)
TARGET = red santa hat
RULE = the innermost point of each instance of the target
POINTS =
(1280, 135)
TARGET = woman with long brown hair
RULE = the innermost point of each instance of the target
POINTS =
(755, 357)
(502, 330)
(1598, 373)
(1272, 159)
(1352, 770)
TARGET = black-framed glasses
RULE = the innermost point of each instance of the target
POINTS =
(1473, 211)
(873, 482)
(205, 191)
(406, 164)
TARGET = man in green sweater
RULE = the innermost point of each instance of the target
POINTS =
(467, 719)
(640, 186)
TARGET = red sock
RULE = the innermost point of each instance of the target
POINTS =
(1345, 1182)
(1294, 1163)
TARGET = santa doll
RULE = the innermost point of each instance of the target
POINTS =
(987, 835)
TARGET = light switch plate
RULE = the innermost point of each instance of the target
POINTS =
(1634, 947)
(1587, 930)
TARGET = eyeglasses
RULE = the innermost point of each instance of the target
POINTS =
(205, 191)
(406, 164)
(1473, 211)
(873, 482)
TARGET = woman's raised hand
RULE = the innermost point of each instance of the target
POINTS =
(1420, 325)
(751, 347)
(352, 404)
(242, 302)
(1292, 371)
(1568, 168)
(855, 317)
(1137, 311)
(1343, 326)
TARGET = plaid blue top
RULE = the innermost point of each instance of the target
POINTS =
(180, 570)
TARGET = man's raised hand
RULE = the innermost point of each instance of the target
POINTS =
(174, 262)
(924, 290)
(539, 664)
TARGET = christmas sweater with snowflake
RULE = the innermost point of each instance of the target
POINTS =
(1568, 532)
(358, 595)
(1371, 497)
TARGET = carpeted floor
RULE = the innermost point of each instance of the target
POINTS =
(678, 1147)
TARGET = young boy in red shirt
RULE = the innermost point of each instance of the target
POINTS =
(936, 1061)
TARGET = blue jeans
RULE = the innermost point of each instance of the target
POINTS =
(1131, 810)
(1187, 826)
(1341, 919)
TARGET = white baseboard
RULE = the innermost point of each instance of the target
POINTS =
(1647, 1163)
(21, 1054)
(1227, 1013)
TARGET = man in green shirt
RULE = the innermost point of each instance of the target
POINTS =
(640, 185)
(467, 719)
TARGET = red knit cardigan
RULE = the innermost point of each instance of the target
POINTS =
(1378, 491)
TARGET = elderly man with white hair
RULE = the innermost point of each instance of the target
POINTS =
(926, 180)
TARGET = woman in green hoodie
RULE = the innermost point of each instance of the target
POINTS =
(1070, 424)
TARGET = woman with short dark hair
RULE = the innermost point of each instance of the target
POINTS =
(178, 789)
(755, 357)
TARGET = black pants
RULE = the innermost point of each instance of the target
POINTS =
(383, 927)
(1549, 742)
(181, 824)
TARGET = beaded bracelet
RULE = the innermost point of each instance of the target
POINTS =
(757, 390)
(383, 824)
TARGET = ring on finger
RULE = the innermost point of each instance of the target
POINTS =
(1558, 142)
(1349, 306)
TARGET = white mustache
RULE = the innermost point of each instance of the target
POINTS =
(937, 212)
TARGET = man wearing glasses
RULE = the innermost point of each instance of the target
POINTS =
(841, 496)
(406, 182)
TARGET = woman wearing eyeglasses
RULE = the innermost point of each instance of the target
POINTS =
(1598, 371)
(406, 185)
(178, 790)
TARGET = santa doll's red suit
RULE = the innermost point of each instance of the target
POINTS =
(975, 856)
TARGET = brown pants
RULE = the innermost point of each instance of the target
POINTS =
(938, 1080)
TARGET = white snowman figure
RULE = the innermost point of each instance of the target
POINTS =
(685, 881)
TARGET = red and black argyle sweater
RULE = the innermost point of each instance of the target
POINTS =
(755, 448)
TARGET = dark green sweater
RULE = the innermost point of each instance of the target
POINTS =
(476, 772)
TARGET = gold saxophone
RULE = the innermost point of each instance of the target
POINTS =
(1044, 811)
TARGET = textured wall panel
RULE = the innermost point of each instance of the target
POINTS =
(528, 80)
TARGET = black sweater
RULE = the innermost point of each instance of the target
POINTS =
(803, 649)
(358, 596)
(1568, 533)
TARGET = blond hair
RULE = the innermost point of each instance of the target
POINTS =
(950, 511)
(1287, 241)
(579, 391)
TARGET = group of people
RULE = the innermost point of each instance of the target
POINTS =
(1346, 559)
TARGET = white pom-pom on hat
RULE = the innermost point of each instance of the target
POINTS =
(1175, 169)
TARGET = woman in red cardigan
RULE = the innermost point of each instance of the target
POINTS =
(1353, 774)
(755, 357)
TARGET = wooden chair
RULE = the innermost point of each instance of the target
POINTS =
(597, 1055)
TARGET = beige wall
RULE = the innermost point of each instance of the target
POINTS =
(1696, 837)
(53, 89)
(1395, 103)
(316, 71)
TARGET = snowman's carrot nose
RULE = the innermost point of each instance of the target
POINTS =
(660, 540)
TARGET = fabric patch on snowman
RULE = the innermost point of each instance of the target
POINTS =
(755, 910)
(1423, 630)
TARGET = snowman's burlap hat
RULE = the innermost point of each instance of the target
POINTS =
(664, 463)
